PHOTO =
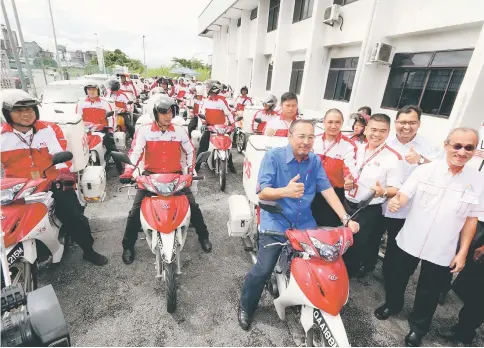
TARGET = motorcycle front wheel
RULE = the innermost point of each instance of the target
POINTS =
(170, 286)
(240, 142)
(222, 172)
(314, 338)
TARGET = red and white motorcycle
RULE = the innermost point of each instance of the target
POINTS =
(218, 152)
(311, 275)
(165, 218)
(27, 216)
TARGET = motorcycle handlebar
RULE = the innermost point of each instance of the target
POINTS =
(198, 177)
(274, 233)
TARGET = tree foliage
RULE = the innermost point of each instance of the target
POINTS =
(194, 64)
(48, 62)
(118, 57)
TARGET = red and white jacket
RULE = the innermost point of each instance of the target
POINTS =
(162, 151)
(338, 158)
(265, 117)
(121, 100)
(242, 101)
(280, 126)
(216, 109)
(129, 87)
(95, 111)
(181, 91)
(196, 101)
(25, 154)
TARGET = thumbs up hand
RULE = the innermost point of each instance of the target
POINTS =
(395, 204)
(412, 157)
(349, 182)
(379, 190)
(295, 189)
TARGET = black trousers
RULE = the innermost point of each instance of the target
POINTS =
(129, 126)
(69, 211)
(192, 126)
(364, 251)
(432, 279)
(322, 211)
(133, 224)
(205, 143)
(392, 226)
(108, 142)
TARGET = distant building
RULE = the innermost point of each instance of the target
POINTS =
(6, 44)
(76, 57)
(33, 49)
(46, 54)
(89, 55)
(62, 50)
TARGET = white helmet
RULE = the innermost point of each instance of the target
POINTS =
(157, 90)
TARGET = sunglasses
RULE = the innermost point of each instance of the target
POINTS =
(457, 147)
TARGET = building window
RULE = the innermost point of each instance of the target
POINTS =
(253, 14)
(296, 77)
(274, 6)
(430, 80)
(239, 22)
(341, 75)
(269, 77)
(303, 9)
(343, 2)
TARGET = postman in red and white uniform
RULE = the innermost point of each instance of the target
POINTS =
(121, 100)
(382, 164)
(216, 110)
(265, 116)
(242, 101)
(277, 127)
(162, 151)
(26, 155)
(338, 157)
(129, 87)
(95, 111)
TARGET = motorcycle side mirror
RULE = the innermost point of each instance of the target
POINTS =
(130, 102)
(239, 118)
(271, 207)
(109, 113)
(59, 157)
(121, 157)
(201, 116)
(257, 120)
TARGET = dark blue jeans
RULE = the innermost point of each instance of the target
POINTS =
(259, 274)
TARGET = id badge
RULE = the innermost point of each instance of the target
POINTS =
(35, 174)
(353, 191)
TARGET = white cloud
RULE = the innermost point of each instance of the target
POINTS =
(169, 26)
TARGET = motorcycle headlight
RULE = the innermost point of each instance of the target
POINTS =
(8, 195)
(328, 252)
(307, 248)
(221, 130)
(165, 189)
(27, 192)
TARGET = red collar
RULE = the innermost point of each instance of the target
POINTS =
(338, 137)
(93, 101)
(7, 127)
(156, 128)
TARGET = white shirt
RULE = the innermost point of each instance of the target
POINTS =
(441, 204)
(385, 167)
(422, 147)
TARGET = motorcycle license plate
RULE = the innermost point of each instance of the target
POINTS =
(16, 253)
(326, 334)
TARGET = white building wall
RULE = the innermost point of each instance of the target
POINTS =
(407, 25)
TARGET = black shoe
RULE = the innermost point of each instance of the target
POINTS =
(128, 256)
(413, 339)
(452, 335)
(244, 319)
(206, 245)
(95, 258)
(383, 312)
(232, 169)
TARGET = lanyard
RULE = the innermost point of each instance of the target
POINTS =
(365, 162)
(29, 144)
(330, 146)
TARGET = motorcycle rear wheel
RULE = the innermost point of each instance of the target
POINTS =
(240, 142)
(170, 286)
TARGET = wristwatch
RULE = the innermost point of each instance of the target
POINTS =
(345, 219)
(421, 160)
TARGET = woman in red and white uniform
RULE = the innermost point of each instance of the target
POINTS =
(359, 126)
(279, 126)
(338, 156)
(265, 115)
(243, 99)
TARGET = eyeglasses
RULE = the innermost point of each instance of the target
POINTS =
(458, 146)
(304, 137)
(408, 123)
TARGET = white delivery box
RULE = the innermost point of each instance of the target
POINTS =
(249, 112)
(72, 126)
(93, 184)
(257, 146)
(120, 140)
(241, 217)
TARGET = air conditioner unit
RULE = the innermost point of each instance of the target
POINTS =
(381, 53)
(331, 14)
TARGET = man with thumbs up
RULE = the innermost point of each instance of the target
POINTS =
(291, 176)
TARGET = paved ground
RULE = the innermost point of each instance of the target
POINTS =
(119, 305)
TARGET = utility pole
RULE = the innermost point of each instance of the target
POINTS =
(22, 43)
(55, 40)
(144, 56)
(14, 50)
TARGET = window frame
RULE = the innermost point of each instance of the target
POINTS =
(340, 75)
(274, 9)
(299, 71)
(407, 69)
(301, 15)
(270, 70)
(239, 22)
(252, 16)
